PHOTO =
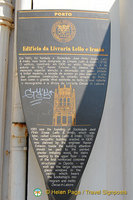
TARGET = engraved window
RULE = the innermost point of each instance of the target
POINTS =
(60, 101)
(64, 119)
(69, 119)
(68, 101)
(58, 119)
(64, 101)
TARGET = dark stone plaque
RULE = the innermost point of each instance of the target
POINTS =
(63, 66)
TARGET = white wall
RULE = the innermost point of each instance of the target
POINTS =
(126, 16)
(97, 5)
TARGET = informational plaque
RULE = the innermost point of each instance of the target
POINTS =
(63, 66)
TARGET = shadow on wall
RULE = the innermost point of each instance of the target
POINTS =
(85, 128)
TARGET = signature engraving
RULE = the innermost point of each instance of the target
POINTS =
(38, 95)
